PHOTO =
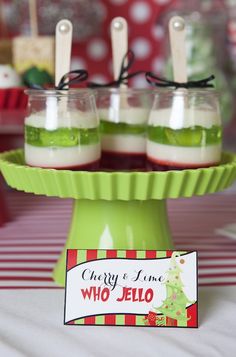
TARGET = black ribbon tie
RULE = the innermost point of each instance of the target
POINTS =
(156, 81)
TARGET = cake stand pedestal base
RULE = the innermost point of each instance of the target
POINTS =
(101, 224)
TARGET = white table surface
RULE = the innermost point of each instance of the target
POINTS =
(31, 320)
(31, 324)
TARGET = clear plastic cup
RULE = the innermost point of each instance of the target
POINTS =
(62, 130)
(123, 114)
(184, 129)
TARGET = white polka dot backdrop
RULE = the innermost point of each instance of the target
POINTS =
(139, 82)
(157, 32)
(162, 2)
(140, 12)
(141, 47)
(97, 49)
(158, 64)
(78, 63)
(118, 2)
(98, 78)
(102, 10)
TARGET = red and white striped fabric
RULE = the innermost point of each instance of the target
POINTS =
(31, 242)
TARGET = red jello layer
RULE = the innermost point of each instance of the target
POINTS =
(123, 161)
(93, 166)
(159, 165)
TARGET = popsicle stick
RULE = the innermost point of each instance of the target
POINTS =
(33, 18)
(119, 42)
(177, 33)
(64, 30)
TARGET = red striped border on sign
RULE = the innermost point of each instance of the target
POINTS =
(71, 258)
(192, 314)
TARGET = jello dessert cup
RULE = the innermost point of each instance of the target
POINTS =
(184, 130)
(123, 114)
(61, 130)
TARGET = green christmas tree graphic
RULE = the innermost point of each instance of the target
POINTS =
(174, 306)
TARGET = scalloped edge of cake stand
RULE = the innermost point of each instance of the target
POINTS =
(116, 185)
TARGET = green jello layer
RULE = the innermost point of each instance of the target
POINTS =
(193, 136)
(61, 137)
(107, 127)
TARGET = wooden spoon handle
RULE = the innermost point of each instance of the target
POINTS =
(119, 42)
(64, 31)
(177, 32)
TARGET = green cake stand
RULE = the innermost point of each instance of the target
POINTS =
(116, 210)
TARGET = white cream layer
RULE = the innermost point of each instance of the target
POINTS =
(184, 155)
(124, 115)
(124, 143)
(51, 120)
(185, 118)
(62, 157)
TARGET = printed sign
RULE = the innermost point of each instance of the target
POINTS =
(131, 288)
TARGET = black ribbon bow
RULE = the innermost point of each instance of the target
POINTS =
(123, 77)
(72, 77)
(156, 81)
(76, 76)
